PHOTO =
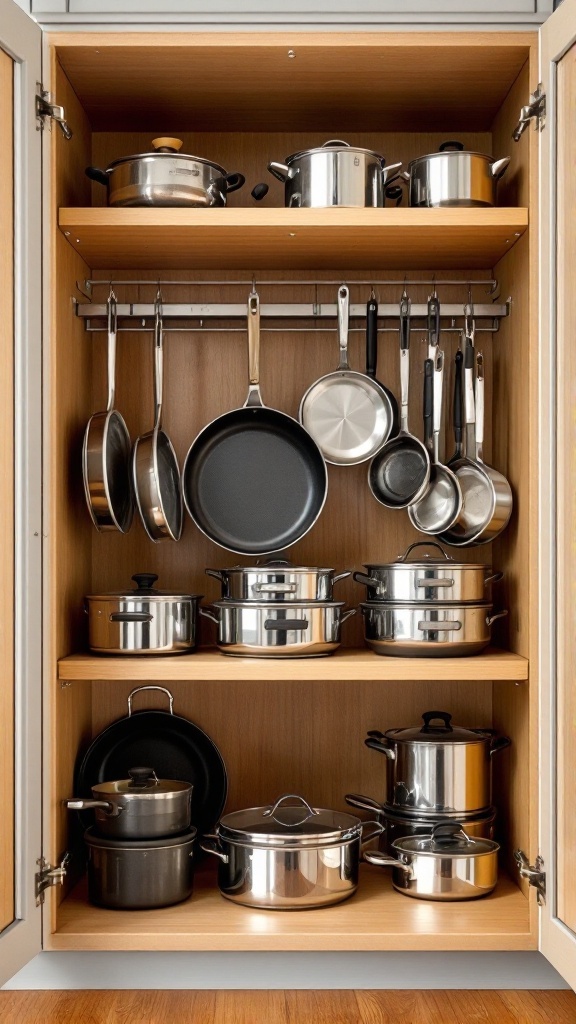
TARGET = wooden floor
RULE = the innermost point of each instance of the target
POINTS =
(287, 1007)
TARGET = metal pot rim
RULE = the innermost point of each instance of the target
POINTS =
(286, 606)
(334, 149)
(467, 818)
(275, 569)
(166, 156)
(335, 828)
(452, 153)
(408, 846)
(433, 563)
(131, 792)
(92, 838)
(159, 598)
(428, 605)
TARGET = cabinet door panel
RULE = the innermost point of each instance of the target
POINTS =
(558, 527)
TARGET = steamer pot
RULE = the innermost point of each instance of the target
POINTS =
(438, 769)
(449, 865)
(166, 177)
(432, 579)
(403, 826)
(289, 857)
(276, 581)
(141, 807)
(295, 629)
(139, 875)
(334, 174)
(144, 621)
(421, 630)
(454, 177)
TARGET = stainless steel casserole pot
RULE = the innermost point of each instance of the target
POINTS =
(298, 629)
(403, 826)
(438, 580)
(141, 807)
(334, 174)
(428, 630)
(449, 865)
(139, 875)
(166, 177)
(454, 177)
(276, 581)
(438, 769)
(286, 857)
(145, 621)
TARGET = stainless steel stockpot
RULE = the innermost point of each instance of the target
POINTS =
(166, 177)
(299, 629)
(449, 865)
(141, 807)
(286, 857)
(438, 580)
(403, 826)
(276, 581)
(144, 621)
(334, 174)
(421, 630)
(138, 875)
(437, 768)
(454, 177)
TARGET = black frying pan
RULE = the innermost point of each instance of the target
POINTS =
(173, 746)
(254, 479)
(372, 359)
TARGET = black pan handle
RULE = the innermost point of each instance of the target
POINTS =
(395, 193)
(130, 617)
(283, 625)
(428, 399)
(404, 323)
(95, 174)
(458, 413)
(433, 321)
(234, 181)
(371, 337)
(259, 191)
(458, 146)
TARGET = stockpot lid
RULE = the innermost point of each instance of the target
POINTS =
(447, 840)
(335, 146)
(437, 728)
(143, 784)
(252, 606)
(442, 561)
(283, 824)
(272, 567)
(457, 151)
(167, 149)
(91, 838)
(144, 589)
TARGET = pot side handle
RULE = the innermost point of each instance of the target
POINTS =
(382, 861)
(382, 747)
(207, 614)
(369, 581)
(364, 803)
(210, 845)
(281, 171)
(78, 804)
(498, 168)
(494, 578)
(341, 576)
(377, 829)
(95, 174)
(500, 744)
(347, 614)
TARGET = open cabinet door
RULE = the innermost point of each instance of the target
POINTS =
(20, 478)
(558, 459)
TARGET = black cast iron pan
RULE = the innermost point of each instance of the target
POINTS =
(173, 746)
(254, 479)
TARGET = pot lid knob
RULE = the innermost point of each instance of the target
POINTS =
(141, 778)
(144, 580)
(166, 145)
(449, 834)
(430, 716)
(270, 812)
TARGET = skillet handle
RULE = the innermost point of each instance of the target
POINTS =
(371, 337)
(139, 689)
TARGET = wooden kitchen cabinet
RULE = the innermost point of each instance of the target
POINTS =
(293, 725)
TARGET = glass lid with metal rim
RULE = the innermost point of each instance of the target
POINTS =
(282, 823)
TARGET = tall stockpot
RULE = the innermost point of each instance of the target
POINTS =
(454, 177)
(438, 769)
(141, 874)
(142, 621)
(334, 174)
(286, 857)
(140, 807)
(431, 579)
(276, 581)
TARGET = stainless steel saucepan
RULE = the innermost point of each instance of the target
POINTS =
(334, 174)
(141, 807)
(454, 177)
(429, 579)
(277, 580)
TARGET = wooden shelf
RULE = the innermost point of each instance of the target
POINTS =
(294, 239)
(375, 918)
(347, 663)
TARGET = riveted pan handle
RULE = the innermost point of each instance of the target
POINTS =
(140, 689)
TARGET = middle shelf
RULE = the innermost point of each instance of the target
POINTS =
(412, 238)
(346, 664)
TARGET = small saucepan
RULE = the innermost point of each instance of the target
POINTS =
(141, 807)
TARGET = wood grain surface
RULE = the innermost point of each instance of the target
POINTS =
(289, 1007)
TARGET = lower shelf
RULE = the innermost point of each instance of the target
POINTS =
(375, 918)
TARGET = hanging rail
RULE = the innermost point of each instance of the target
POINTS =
(278, 311)
(89, 283)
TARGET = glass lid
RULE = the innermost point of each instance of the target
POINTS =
(428, 560)
(437, 728)
(143, 782)
(283, 823)
(448, 840)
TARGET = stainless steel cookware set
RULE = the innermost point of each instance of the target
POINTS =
(434, 607)
(277, 610)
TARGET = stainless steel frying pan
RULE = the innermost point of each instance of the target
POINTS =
(349, 414)
(106, 454)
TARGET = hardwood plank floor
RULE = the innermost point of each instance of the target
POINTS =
(289, 1007)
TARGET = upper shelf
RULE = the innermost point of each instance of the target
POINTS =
(347, 664)
(300, 239)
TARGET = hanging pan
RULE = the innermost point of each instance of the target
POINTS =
(372, 358)
(154, 462)
(172, 745)
(349, 414)
(398, 475)
(106, 454)
(254, 480)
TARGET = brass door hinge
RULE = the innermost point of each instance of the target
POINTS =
(534, 873)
